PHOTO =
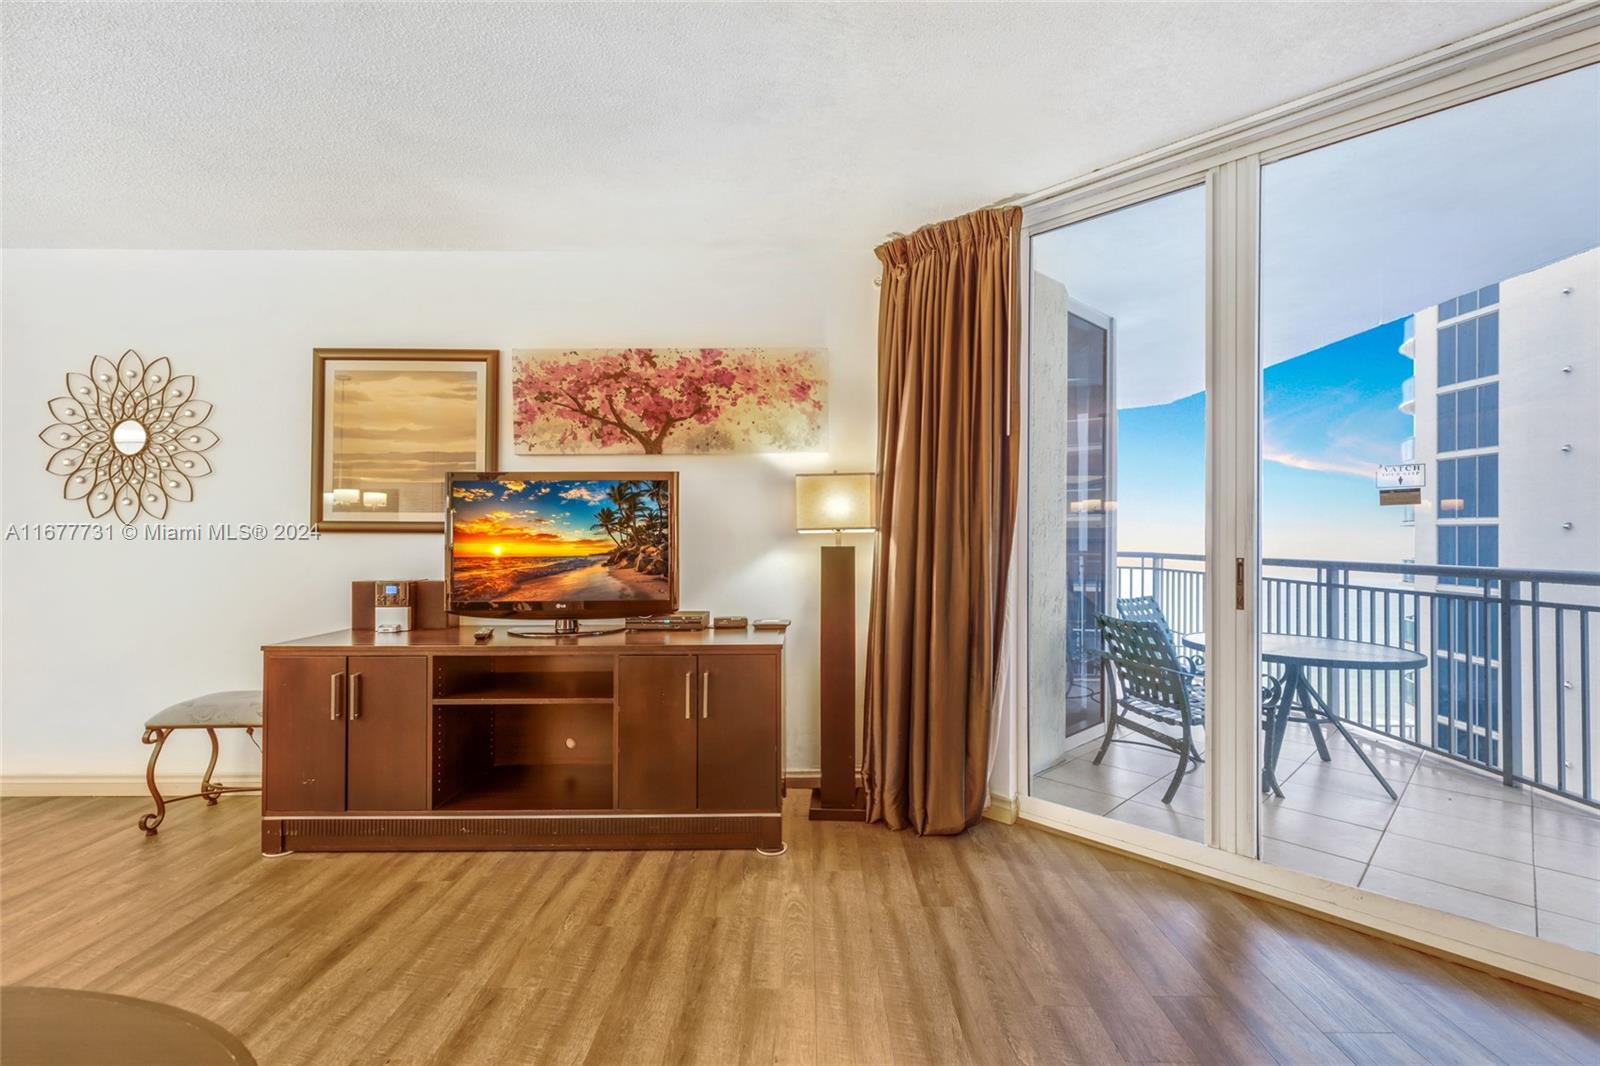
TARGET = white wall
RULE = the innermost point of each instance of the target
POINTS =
(1550, 319)
(96, 636)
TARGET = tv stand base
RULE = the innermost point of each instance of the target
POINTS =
(564, 627)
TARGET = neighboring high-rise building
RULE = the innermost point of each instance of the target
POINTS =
(1506, 405)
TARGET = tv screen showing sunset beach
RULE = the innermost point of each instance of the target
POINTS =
(560, 540)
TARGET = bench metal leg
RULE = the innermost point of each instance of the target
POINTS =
(158, 737)
(210, 790)
(207, 790)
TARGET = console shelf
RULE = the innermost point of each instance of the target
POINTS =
(523, 678)
(571, 787)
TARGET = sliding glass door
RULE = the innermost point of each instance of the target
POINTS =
(1311, 535)
(1430, 510)
(1116, 514)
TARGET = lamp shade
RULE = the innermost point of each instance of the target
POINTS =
(835, 503)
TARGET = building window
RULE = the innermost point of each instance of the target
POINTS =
(1470, 349)
(1469, 302)
(1469, 418)
(1469, 487)
(1468, 545)
(1488, 344)
(1489, 415)
(1488, 487)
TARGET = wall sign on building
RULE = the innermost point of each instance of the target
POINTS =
(1401, 483)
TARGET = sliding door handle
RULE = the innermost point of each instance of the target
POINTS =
(688, 694)
(705, 695)
(335, 695)
(355, 696)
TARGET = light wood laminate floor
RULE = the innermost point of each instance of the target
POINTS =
(860, 945)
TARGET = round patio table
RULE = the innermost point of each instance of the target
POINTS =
(1297, 655)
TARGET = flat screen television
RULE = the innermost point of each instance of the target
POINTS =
(563, 546)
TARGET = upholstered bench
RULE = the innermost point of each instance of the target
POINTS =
(211, 712)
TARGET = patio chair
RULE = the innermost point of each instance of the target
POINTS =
(1152, 688)
(1152, 684)
(1191, 664)
(1148, 609)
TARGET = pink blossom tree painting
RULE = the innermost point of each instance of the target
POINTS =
(668, 400)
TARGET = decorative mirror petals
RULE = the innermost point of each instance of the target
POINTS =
(71, 411)
(130, 370)
(127, 505)
(127, 437)
(180, 390)
(189, 414)
(100, 499)
(66, 461)
(154, 503)
(191, 463)
(196, 439)
(104, 373)
(78, 484)
(61, 435)
(157, 376)
(176, 485)
(80, 387)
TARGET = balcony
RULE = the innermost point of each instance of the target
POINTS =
(1496, 815)
(1408, 396)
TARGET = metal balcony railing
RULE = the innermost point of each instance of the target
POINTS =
(1510, 684)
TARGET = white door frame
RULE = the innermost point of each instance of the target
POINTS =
(1228, 162)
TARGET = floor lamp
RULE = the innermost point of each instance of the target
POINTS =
(838, 504)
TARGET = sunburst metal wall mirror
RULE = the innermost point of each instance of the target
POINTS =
(128, 437)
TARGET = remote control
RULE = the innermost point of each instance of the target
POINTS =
(483, 633)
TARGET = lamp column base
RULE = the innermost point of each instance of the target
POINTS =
(855, 811)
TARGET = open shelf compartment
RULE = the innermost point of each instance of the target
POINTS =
(522, 679)
(500, 757)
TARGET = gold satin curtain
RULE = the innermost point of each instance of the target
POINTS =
(948, 326)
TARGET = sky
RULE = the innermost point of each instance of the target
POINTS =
(1330, 417)
(1355, 238)
(528, 518)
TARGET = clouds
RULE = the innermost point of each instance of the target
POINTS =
(584, 493)
(1311, 462)
(513, 525)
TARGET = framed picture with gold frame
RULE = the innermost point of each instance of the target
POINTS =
(387, 425)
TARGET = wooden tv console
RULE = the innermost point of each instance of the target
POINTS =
(429, 741)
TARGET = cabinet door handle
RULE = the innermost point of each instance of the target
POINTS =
(688, 692)
(355, 696)
(705, 695)
(336, 693)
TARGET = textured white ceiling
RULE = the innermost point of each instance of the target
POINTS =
(508, 126)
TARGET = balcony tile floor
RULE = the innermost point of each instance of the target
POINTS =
(1457, 839)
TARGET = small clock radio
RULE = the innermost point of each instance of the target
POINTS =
(391, 606)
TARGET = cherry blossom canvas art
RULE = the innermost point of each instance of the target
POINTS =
(669, 401)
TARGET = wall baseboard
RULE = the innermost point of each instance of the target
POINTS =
(113, 784)
(179, 784)
(1002, 809)
(812, 779)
